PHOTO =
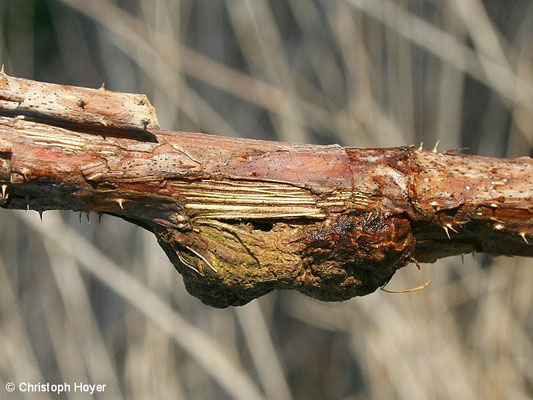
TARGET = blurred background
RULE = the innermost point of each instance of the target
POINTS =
(100, 303)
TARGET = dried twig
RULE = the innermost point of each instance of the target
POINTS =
(239, 218)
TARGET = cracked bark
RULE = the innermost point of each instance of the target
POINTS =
(238, 217)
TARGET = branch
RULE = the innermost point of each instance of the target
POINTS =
(239, 217)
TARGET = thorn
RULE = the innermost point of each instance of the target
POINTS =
(447, 233)
(462, 258)
(25, 172)
(27, 203)
(523, 235)
(100, 217)
(421, 147)
(436, 148)
(145, 122)
(2, 70)
(451, 227)
(87, 215)
(102, 121)
(4, 188)
(79, 216)
(120, 202)
(41, 212)
(102, 86)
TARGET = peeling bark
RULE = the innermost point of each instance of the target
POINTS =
(238, 217)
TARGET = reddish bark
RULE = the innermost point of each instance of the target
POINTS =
(238, 217)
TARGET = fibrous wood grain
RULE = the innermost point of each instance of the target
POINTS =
(238, 217)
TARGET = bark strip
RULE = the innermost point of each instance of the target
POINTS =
(239, 217)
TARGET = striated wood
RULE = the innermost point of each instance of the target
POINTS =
(239, 217)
